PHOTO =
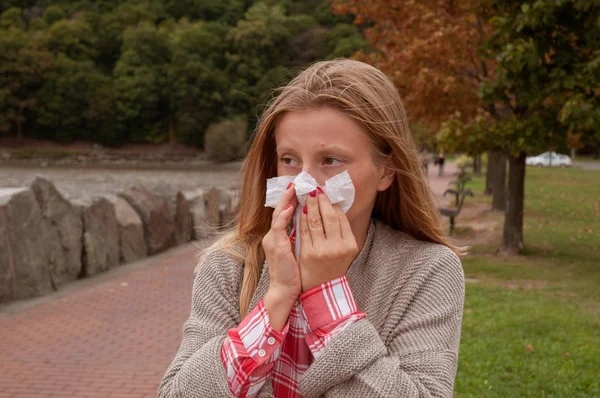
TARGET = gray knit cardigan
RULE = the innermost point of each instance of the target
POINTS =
(411, 291)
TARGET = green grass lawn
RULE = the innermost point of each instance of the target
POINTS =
(531, 326)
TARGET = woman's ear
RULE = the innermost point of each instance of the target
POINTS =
(386, 175)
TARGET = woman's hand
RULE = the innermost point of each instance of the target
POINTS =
(284, 284)
(328, 246)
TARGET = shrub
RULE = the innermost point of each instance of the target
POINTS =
(463, 161)
(225, 141)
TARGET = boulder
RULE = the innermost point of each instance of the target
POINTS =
(195, 199)
(65, 223)
(100, 235)
(159, 226)
(184, 231)
(26, 242)
(132, 244)
(230, 204)
(213, 210)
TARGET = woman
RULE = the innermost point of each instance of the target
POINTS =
(372, 306)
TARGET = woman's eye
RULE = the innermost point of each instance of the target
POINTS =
(288, 161)
(332, 161)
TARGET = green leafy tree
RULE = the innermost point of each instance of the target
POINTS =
(111, 27)
(21, 67)
(197, 79)
(73, 37)
(260, 53)
(207, 10)
(12, 18)
(64, 99)
(344, 40)
(546, 85)
(140, 83)
(53, 14)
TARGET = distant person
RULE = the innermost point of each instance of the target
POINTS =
(371, 304)
(440, 162)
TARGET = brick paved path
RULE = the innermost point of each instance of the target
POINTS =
(112, 339)
(109, 336)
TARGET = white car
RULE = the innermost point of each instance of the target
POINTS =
(549, 159)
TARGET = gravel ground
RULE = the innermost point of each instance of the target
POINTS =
(84, 182)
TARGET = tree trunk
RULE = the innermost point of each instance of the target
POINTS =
(499, 181)
(489, 175)
(512, 241)
(477, 165)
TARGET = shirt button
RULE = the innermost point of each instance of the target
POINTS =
(271, 340)
(261, 353)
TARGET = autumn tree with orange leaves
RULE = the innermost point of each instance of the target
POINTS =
(543, 91)
(429, 49)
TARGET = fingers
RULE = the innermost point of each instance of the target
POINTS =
(329, 217)
(288, 197)
(305, 236)
(345, 228)
(315, 223)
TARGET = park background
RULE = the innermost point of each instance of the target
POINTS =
(98, 95)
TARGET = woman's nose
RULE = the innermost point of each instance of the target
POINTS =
(316, 174)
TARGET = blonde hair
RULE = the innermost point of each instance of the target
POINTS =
(366, 95)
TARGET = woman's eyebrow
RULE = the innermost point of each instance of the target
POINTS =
(333, 148)
(323, 150)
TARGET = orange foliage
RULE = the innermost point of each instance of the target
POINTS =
(430, 49)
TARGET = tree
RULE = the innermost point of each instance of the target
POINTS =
(548, 55)
(64, 99)
(21, 67)
(53, 14)
(207, 10)
(260, 55)
(12, 18)
(74, 37)
(197, 79)
(111, 27)
(140, 82)
(430, 51)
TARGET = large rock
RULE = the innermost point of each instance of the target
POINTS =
(132, 245)
(213, 210)
(196, 202)
(159, 226)
(65, 223)
(184, 231)
(26, 242)
(229, 207)
(100, 235)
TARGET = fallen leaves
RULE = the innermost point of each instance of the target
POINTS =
(529, 348)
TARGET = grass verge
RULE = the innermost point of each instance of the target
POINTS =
(531, 325)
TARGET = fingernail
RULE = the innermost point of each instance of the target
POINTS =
(319, 190)
(289, 185)
(313, 193)
(288, 206)
(305, 210)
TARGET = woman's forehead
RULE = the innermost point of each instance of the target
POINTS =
(320, 127)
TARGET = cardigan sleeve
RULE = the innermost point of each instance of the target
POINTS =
(197, 369)
(419, 359)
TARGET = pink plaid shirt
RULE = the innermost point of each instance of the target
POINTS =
(253, 351)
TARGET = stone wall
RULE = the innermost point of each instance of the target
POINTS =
(48, 240)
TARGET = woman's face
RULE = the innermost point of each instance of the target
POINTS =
(325, 142)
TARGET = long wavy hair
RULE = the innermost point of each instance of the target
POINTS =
(366, 95)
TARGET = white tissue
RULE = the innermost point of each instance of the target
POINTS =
(339, 189)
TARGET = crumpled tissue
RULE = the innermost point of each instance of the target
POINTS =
(339, 189)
